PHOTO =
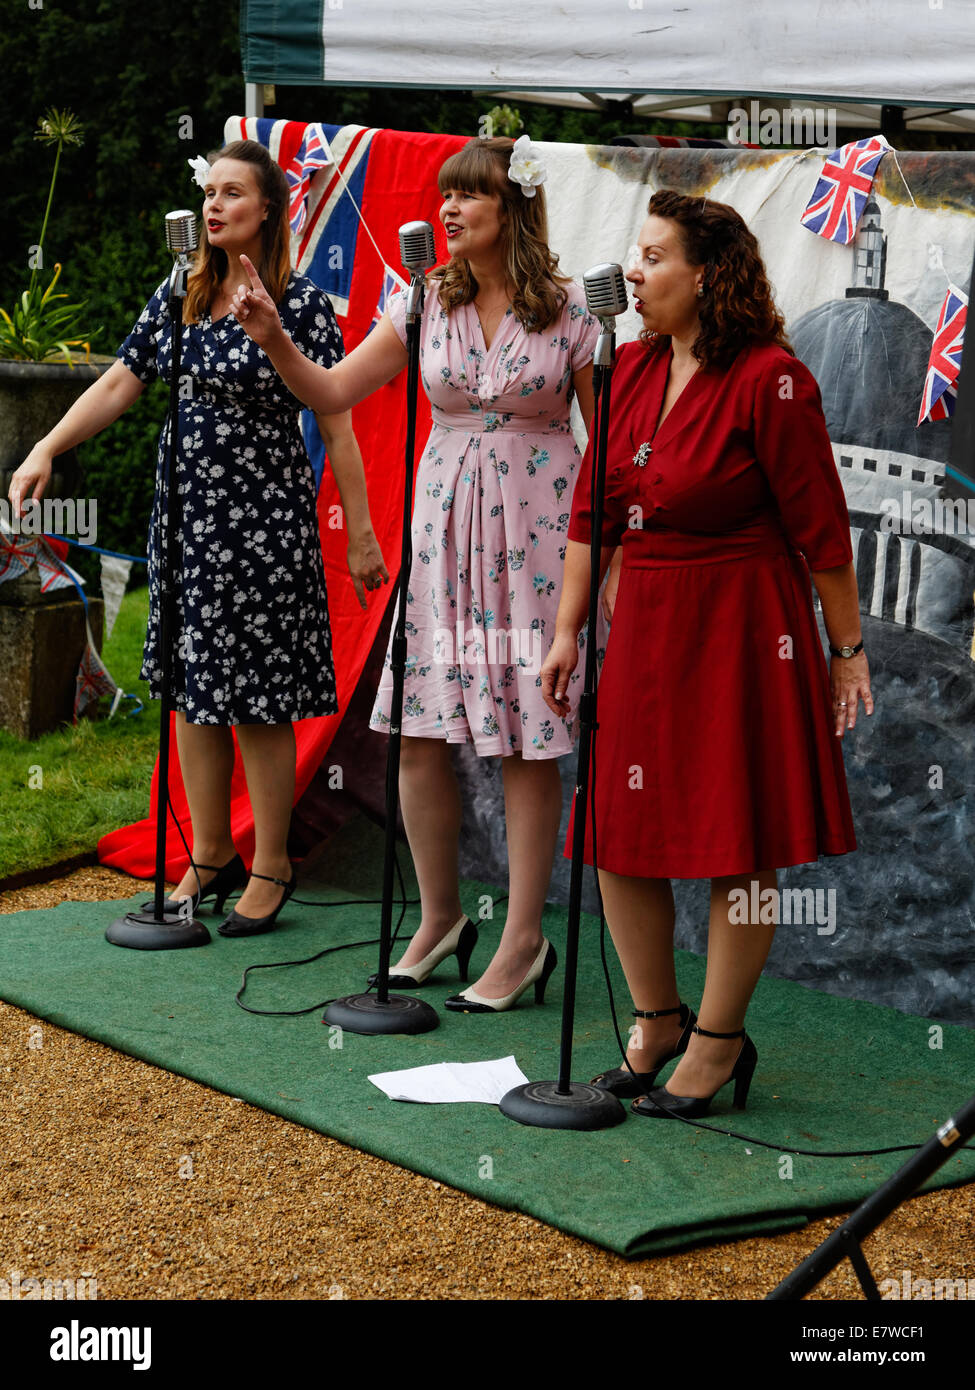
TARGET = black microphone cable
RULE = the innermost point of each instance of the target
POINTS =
(307, 960)
(328, 950)
(404, 903)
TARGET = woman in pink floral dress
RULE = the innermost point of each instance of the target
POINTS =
(506, 342)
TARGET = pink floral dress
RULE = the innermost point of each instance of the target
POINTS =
(491, 510)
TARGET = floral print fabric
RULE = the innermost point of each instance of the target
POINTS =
(252, 642)
(491, 509)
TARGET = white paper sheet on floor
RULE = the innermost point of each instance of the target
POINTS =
(444, 1082)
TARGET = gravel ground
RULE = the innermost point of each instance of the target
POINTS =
(160, 1188)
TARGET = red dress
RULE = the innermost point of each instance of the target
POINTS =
(715, 752)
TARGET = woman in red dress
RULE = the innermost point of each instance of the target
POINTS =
(718, 748)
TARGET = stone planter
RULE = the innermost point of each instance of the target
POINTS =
(42, 636)
(33, 397)
(42, 640)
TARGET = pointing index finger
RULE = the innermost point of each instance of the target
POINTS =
(253, 276)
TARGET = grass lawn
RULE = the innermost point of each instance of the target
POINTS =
(92, 777)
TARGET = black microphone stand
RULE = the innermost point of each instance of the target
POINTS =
(566, 1104)
(154, 931)
(383, 1012)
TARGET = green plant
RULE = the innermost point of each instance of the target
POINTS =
(39, 330)
(504, 120)
(40, 327)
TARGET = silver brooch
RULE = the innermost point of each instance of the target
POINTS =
(641, 455)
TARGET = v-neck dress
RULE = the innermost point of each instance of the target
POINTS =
(715, 752)
(491, 511)
(252, 642)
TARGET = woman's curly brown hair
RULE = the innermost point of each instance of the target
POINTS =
(481, 166)
(737, 307)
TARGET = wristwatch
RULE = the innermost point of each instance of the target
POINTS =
(846, 651)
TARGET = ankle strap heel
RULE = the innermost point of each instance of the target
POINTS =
(624, 1081)
(237, 925)
(664, 1104)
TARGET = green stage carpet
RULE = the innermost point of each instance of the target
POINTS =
(832, 1073)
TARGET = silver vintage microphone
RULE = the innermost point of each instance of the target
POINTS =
(605, 298)
(182, 238)
(416, 247)
(418, 253)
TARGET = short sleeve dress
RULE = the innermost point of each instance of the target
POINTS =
(491, 511)
(253, 643)
(715, 749)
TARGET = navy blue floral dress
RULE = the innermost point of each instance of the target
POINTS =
(253, 643)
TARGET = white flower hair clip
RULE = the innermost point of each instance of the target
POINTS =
(526, 167)
(201, 170)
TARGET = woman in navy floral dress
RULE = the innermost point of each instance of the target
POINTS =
(253, 646)
(249, 551)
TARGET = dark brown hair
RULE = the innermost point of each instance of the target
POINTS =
(481, 166)
(274, 267)
(737, 307)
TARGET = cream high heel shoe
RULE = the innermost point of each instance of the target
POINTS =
(460, 940)
(469, 1001)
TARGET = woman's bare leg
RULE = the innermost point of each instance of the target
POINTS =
(206, 760)
(268, 751)
(430, 802)
(640, 916)
(736, 957)
(532, 811)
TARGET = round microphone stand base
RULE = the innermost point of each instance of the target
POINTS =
(142, 931)
(540, 1103)
(364, 1013)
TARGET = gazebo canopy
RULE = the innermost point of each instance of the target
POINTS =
(694, 61)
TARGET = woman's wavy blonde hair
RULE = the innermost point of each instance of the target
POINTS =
(274, 267)
(737, 307)
(530, 267)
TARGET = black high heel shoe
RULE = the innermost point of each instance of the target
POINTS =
(694, 1106)
(623, 1082)
(236, 925)
(231, 875)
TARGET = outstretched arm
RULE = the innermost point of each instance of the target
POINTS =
(104, 401)
(325, 390)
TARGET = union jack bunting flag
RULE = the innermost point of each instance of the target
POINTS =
(392, 284)
(55, 574)
(944, 364)
(844, 185)
(93, 679)
(16, 554)
(312, 154)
